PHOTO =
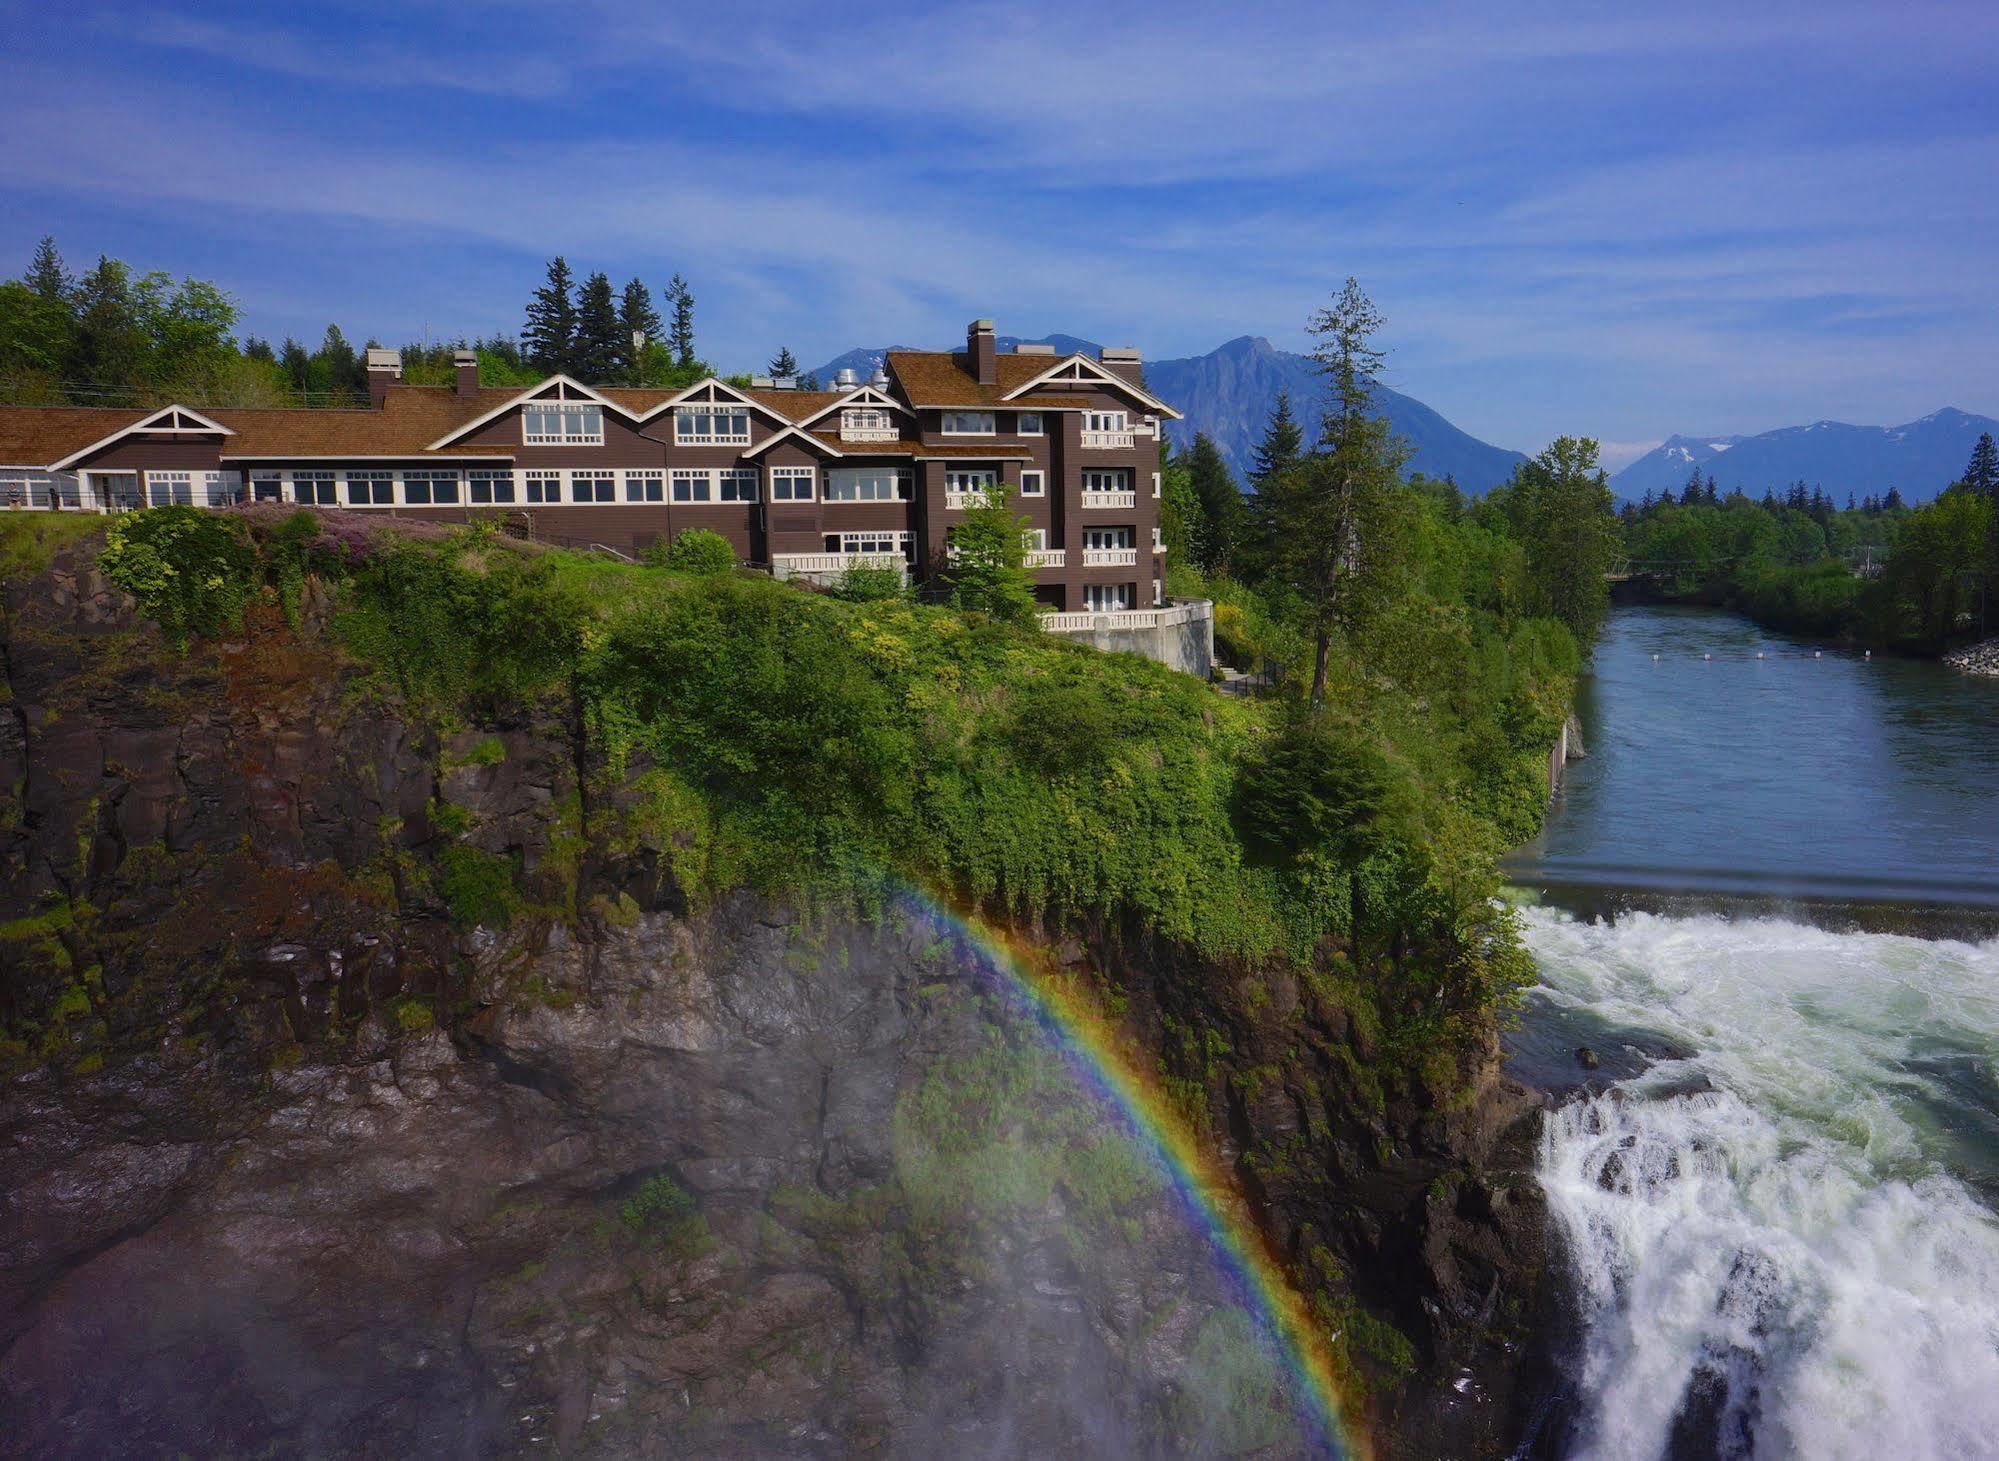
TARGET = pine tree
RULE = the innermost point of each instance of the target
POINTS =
(680, 335)
(549, 336)
(783, 364)
(47, 276)
(1711, 495)
(1645, 505)
(811, 381)
(1224, 521)
(1691, 494)
(1982, 473)
(1283, 442)
(597, 356)
(636, 316)
(1893, 501)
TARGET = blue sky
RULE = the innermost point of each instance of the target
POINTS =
(1606, 219)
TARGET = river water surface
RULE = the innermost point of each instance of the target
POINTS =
(1777, 1191)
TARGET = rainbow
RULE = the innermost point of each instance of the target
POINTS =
(1090, 1045)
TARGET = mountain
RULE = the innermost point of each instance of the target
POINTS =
(1230, 392)
(1920, 457)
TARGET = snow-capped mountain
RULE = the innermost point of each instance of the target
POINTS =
(1920, 457)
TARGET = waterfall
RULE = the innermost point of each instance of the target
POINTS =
(1782, 1235)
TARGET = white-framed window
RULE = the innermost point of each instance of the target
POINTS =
(1106, 598)
(562, 423)
(693, 484)
(489, 485)
(884, 540)
(1116, 479)
(647, 484)
(968, 423)
(867, 484)
(738, 484)
(314, 489)
(544, 486)
(423, 489)
(1104, 420)
(711, 425)
(1155, 484)
(593, 485)
(1157, 541)
(791, 484)
(371, 489)
(1034, 540)
(1030, 424)
(267, 486)
(1033, 484)
(1107, 537)
(969, 479)
(1158, 594)
(866, 418)
(164, 489)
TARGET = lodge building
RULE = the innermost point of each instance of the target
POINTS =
(802, 482)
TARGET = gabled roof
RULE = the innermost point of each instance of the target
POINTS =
(563, 388)
(175, 420)
(712, 390)
(805, 436)
(859, 396)
(34, 436)
(938, 378)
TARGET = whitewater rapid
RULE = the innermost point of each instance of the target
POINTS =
(1783, 1233)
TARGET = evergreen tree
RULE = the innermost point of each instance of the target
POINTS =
(1224, 520)
(550, 333)
(636, 316)
(110, 346)
(1332, 518)
(1283, 442)
(1559, 505)
(47, 276)
(601, 350)
(988, 566)
(1711, 495)
(1691, 494)
(783, 363)
(680, 334)
(295, 363)
(259, 350)
(1646, 505)
(1893, 501)
(811, 381)
(1981, 474)
(1769, 500)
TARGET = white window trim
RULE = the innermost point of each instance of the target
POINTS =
(642, 476)
(704, 475)
(1040, 427)
(543, 478)
(1040, 479)
(741, 477)
(682, 413)
(792, 474)
(592, 474)
(944, 427)
(561, 437)
(903, 478)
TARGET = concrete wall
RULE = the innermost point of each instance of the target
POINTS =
(1183, 637)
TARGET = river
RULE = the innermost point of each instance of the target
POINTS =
(1777, 1190)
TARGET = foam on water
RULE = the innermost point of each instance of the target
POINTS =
(1778, 1239)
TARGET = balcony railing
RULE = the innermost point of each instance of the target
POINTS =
(1046, 557)
(1086, 619)
(870, 433)
(1110, 557)
(822, 565)
(959, 501)
(1110, 499)
(1107, 440)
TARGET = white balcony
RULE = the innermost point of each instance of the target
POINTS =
(1107, 440)
(822, 566)
(1046, 557)
(959, 501)
(869, 433)
(1084, 620)
(1110, 557)
(1109, 499)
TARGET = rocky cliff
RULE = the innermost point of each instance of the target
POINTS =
(297, 1156)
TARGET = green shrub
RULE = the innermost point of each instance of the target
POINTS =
(191, 569)
(868, 583)
(413, 1016)
(1318, 786)
(664, 1215)
(695, 550)
(477, 887)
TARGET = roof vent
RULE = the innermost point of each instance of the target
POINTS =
(879, 380)
(1026, 349)
(380, 359)
(785, 383)
(1119, 354)
(846, 380)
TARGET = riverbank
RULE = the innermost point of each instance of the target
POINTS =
(1976, 659)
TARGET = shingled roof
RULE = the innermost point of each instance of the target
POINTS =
(34, 436)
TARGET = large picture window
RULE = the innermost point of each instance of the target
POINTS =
(968, 423)
(314, 489)
(371, 489)
(692, 484)
(739, 484)
(544, 487)
(867, 484)
(593, 487)
(1112, 481)
(166, 489)
(646, 485)
(711, 425)
(425, 489)
(562, 423)
(487, 486)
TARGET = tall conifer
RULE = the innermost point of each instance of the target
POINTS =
(600, 351)
(549, 338)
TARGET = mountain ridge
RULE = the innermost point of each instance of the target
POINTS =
(1920, 457)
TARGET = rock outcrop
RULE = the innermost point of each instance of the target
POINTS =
(296, 1159)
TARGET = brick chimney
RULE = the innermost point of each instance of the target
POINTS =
(1123, 362)
(383, 366)
(983, 347)
(465, 368)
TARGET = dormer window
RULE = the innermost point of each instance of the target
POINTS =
(865, 418)
(968, 423)
(562, 423)
(711, 425)
(1104, 421)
